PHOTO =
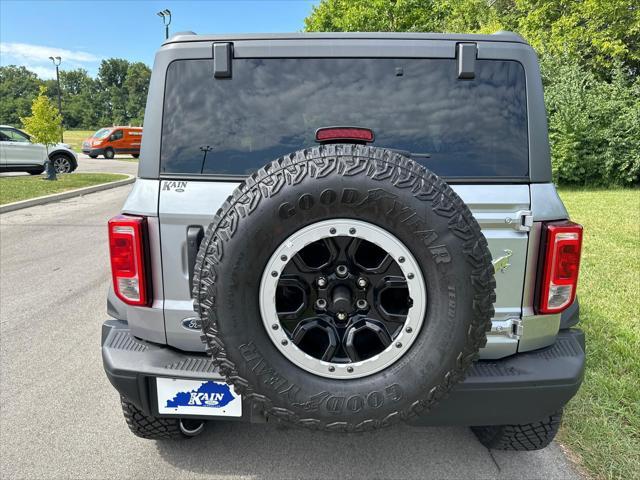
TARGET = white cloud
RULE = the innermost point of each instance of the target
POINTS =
(36, 58)
(30, 52)
(45, 73)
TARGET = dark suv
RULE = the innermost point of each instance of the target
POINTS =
(342, 232)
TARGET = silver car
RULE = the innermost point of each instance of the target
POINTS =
(19, 154)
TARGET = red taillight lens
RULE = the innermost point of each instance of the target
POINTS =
(562, 247)
(127, 237)
(344, 134)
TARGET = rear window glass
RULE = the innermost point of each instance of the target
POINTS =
(271, 107)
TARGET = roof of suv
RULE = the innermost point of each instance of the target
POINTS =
(501, 36)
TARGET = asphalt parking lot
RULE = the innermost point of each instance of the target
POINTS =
(120, 164)
(60, 417)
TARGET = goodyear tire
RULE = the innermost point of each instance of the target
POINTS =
(378, 190)
(155, 428)
(524, 437)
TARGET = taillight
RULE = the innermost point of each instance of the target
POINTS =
(344, 134)
(127, 240)
(562, 243)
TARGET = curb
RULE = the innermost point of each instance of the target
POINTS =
(56, 197)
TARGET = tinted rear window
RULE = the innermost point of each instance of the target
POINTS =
(271, 107)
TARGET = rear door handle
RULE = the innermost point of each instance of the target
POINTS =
(194, 238)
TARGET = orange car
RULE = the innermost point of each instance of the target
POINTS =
(112, 140)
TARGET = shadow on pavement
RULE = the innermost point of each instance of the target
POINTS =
(271, 451)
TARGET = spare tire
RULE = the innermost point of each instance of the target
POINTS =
(344, 287)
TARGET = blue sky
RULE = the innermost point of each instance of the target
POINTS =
(84, 32)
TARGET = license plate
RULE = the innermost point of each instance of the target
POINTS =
(177, 396)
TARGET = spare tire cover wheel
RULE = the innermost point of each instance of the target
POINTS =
(344, 287)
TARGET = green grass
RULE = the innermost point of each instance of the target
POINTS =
(75, 138)
(13, 189)
(602, 423)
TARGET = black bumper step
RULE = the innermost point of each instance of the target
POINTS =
(518, 389)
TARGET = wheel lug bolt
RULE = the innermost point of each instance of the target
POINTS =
(398, 345)
(275, 326)
(341, 316)
(341, 271)
(321, 304)
(362, 282)
(409, 329)
(362, 304)
(410, 276)
(322, 282)
(332, 368)
(401, 259)
(284, 342)
(350, 369)
(352, 231)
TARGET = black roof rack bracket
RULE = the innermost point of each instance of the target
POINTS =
(467, 53)
(222, 55)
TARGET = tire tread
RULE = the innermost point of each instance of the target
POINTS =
(344, 160)
(525, 437)
(149, 427)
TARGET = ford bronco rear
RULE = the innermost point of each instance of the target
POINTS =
(342, 232)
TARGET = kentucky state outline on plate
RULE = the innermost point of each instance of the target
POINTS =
(209, 394)
(197, 397)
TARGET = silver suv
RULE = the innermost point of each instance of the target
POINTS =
(342, 232)
(19, 154)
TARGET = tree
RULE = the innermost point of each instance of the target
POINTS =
(594, 125)
(44, 125)
(117, 96)
(18, 87)
(399, 16)
(111, 78)
(598, 34)
(79, 94)
(136, 85)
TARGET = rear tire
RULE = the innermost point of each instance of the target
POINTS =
(155, 428)
(524, 437)
(109, 153)
(135, 155)
(93, 156)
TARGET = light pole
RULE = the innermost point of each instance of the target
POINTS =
(166, 19)
(56, 61)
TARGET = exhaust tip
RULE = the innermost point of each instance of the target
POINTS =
(191, 428)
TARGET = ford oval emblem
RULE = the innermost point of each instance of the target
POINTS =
(192, 323)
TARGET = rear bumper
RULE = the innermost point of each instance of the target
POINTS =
(519, 389)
